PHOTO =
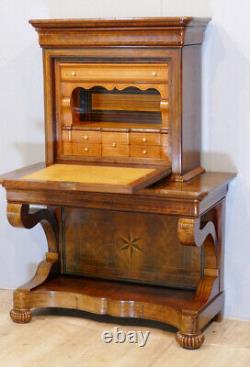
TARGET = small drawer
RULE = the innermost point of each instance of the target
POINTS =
(112, 138)
(115, 150)
(85, 136)
(146, 151)
(145, 139)
(86, 150)
(114, 72)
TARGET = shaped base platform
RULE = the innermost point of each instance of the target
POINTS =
(179, 308)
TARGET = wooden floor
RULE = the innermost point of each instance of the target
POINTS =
(67, 340)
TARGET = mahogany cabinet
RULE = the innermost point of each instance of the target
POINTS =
(135, 226)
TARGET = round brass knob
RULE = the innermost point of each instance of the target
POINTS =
(86, 149)
(73, 73)
(144, 140)
(144, 152)
(114, 145)
(154, 73)
(85, 137)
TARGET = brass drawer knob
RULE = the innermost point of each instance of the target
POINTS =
(86, 149)
(144, 140)
(114, 145)
(154, 73)
(73, 73)
(85, 137)
(145, 152)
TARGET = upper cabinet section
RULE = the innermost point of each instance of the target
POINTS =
(169, 32)
(124, 91)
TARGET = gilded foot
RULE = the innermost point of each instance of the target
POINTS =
(21, 316)
(189, 341)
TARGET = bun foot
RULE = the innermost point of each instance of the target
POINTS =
(189, 341)
(21, 316)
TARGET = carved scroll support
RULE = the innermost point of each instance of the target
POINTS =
(192, 232)
(20, 215)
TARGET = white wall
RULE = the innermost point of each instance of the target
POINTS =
(226, 80)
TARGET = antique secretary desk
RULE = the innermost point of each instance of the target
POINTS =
(133, 222)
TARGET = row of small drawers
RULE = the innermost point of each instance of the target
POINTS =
(120, 150)
(113, 144)
(97, 137)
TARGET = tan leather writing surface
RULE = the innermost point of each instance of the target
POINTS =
(89, 174)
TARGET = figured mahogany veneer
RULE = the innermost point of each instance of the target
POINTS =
(135, 227)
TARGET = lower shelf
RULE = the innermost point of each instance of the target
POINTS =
(114, 290)
(179, 308)
(114, 298)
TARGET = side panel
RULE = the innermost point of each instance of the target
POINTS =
(191, 107)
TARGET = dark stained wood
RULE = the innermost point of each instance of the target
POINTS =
(156, 253)
(191, 108)
(126, 248)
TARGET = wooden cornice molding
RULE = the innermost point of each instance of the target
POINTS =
(152, 32)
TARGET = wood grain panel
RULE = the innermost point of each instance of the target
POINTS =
(126, 102)
(120, 245)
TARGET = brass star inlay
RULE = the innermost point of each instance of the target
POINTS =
(130, 244)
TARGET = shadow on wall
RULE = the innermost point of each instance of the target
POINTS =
(226, 133)
(226, 80)
(226, 163)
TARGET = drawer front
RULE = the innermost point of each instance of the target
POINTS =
(112, 138)
(153, 73)
(145, 151)
(89, 137)
(115, 150)
(86, 150)
(145, 139)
